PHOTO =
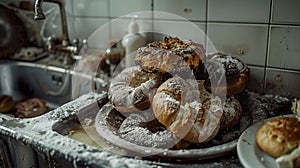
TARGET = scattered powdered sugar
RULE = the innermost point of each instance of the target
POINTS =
(132, 130)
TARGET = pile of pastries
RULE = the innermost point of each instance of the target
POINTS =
(177, 92)
(27, 108)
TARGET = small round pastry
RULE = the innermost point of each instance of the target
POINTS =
(227, 75)
(232, 113)
(171, 55)
(279, 136)
(6, 104)
(31, 108)
(130, 90)
(178, 107)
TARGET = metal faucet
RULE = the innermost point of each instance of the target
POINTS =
(65, 44)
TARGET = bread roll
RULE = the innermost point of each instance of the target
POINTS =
(178, 107)
(227, 75)
(279, 136)
(131, 89)
(6, 104)
(171, 55)
(32, 107)
(232, 113)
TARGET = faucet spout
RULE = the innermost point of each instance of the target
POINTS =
(38, 10)
(39, 15)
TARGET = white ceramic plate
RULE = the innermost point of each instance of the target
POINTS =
(249, 153)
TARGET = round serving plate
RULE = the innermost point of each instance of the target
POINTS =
(107, 130)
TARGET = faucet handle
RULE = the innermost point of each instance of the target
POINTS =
(76, 42)
(51, 43)
(79, 44)
(79, 48)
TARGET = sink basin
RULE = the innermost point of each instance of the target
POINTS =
(80, 127)
(24, 80)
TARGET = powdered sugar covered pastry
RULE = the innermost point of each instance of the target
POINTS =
(170, 55)
(178, 107)
(131, 89)
(227, 75)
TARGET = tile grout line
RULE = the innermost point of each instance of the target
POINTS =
(206, 24)
(267, 48)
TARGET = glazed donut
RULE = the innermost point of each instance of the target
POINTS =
(6, 104)
(129, 91)
(171, 55)
(177, 106)
(232, 112)
(31, 108)
(236, 75)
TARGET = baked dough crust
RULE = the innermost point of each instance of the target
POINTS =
(228, 75)
(185, 113)
(170, 55)
(6, 104)
(32, 107)
(131, 89)
(279, 136)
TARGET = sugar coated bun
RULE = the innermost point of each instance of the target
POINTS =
(172, 54)
(232, 113)
(227, 75)
(279, 136)
(32, 107)
(180, 109)
(131, 89)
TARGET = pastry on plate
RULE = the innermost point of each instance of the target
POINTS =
(279, 136)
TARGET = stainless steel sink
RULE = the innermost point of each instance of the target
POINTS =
(23, 80)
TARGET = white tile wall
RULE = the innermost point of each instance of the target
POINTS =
(188, 9)
(97, 8)
(239, 10)
(181, 29)
(256, 82)
(232, 38)
(284, 47)
(97, 27)
(123, 7)
(286, 11)
(284, 83)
